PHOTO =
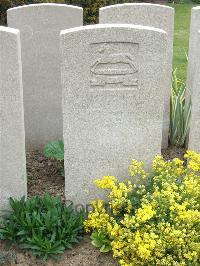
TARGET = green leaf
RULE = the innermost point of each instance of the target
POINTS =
(105, 248)
(43, 225)
(97, 243)
(55, 150)
(179, 112)
(101, 241)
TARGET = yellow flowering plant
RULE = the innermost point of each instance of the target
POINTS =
(153, 217)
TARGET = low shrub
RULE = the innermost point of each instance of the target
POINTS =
(43, 225)
(154, 217)
(4, 5)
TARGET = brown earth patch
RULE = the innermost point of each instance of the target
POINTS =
(81, 255)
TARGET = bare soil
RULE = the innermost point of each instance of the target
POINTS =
(81, 255)
(173, 152)
(44, 175)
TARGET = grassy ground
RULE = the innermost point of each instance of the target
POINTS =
(181, 37)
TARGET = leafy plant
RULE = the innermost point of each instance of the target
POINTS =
(154, 217)
(43, 225)
(180, 112)
(101, 241)
(55, 150)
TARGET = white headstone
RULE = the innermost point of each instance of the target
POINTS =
(12, 137)
(113, 91)
(152, 15)
(193, 49)
(40, 27)
(194, 135)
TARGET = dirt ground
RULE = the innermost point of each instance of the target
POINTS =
(81, 255)
(44, 176)
(173, 152)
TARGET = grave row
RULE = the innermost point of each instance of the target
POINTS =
(104, 89)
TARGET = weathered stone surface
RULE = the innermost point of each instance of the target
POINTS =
(12, 137)
(40, 27)
(193, 49)
(113, 91)
(152, 15)
(194, 135)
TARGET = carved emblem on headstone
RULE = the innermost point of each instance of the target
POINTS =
(114, 65)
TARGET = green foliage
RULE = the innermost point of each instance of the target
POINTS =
(196, 1)
(181, 37)
(180, 1)
(180, 112)
(55, 150)
(43, 225)
(101, 241)
(4, 5)
(91, 8)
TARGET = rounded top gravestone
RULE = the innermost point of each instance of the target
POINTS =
(40, 25)
(112, 102)
(146, 14)
(152, 15)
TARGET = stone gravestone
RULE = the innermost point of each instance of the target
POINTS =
(193, 49)
(152, 15)
(40, 27)
(113, 91)
(194, 135)
(12, 137)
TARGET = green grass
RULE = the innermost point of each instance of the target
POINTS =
(181, 38)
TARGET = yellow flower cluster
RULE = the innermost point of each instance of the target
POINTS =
(155, 221)
(193, 161)
(106, 182)
(145, 213)
(119, 192)
(136, 169)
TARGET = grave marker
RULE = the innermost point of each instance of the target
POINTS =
(113, 93)
(152, 15)
(12, 137)
(40, 26)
